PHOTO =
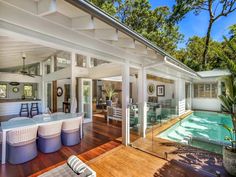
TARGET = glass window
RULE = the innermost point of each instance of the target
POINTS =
(214, 91)
(28, 90)
(201, 90)
(3, 90)
(195, 90)
(207, 90)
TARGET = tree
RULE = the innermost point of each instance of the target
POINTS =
(215, 9)
(152, 24)
(108, 6)
(191, 55)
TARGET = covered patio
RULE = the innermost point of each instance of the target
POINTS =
(63, 56)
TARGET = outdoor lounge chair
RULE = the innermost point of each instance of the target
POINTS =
(71, 131)
(21, 145)
(114, 113)
(49, 137)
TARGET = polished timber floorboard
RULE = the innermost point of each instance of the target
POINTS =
(95, 134)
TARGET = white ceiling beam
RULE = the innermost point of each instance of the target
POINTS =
(20, 48)
(83, 23)
(27, 5)
(46, 7)
(108, 70)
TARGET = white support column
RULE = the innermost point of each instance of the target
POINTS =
(180, 90)
(73, 81)
(52, 64)
(142, 100)
(88, 62)
(125, 104)
(43, 87)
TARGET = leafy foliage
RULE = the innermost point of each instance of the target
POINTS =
(192, 54)
(110, 92)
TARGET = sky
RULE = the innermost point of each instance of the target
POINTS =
(197, 25)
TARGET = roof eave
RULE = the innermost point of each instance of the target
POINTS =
(98, 13)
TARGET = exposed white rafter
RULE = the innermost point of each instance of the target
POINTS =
(45, 7)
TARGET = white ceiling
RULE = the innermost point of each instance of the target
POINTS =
(11, 52)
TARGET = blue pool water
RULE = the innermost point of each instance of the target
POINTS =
(200, 129)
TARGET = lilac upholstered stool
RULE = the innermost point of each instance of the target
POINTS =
(21, 145)
(71, 131)
(49, 137)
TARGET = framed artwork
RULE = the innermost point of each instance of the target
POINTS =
(151, 88)
(15, 89)
(59, 91)
(160, 90)
(3, 90)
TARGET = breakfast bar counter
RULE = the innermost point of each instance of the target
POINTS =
(12, 106)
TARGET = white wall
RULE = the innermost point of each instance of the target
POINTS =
(169, 90)
(209, 104)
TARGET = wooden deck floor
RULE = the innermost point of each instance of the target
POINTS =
(126, 161)
(95, 134)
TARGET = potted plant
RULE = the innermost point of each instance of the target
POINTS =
(110, 92)
(229, 152)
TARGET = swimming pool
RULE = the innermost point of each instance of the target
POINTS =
(200, 129)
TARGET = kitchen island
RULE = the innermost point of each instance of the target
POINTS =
(12, 106)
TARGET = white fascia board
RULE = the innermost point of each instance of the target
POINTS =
(15, 77)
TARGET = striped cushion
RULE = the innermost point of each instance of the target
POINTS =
(76, 164)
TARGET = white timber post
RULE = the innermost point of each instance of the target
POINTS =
(52, 64)
(180, 88)
(142, 100)
(43, 87)
(125, 104)
(73, 81)
(88, 62)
